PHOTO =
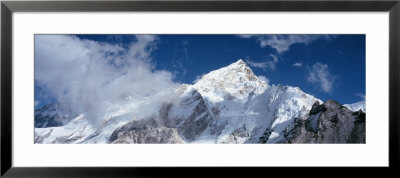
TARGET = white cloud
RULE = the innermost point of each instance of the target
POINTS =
(82, 74)
(271, 64)
(251, 63)
(282, 43)
(320, 75)
(298, 64)
(263, 78)
(246, 36)
(264, 65)
(198, 78)
(361, 95)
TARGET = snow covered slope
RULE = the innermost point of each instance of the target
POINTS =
(244, 107)
(228, 105)
(356, 106)
(52, 115)
(236, 81)
(83, 130)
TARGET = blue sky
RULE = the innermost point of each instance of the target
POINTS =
(326, 66)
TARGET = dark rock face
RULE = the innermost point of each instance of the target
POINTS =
(52, 115)
(358, 133)
(329, 123)
(164, 115)
(145, 131)
(199, 119)
(317, 108)
(265, 136)
(164, 128)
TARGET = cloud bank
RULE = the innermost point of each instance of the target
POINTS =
(84, 75)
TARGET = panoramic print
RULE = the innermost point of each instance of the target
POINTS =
(199, 89)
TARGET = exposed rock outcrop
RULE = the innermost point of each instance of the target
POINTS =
(199, 119)
(145, 131)
(52, 115)
(329, 122)
(167, 127)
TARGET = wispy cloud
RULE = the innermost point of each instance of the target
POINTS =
(361, 95)
(198, 78)
(247, 36)
(282, 43)
(320, 75)
(263, 78)
(270, 64)
(251, 63)
(179, 59)
(185, 44)
(298, 64)
(82, 74)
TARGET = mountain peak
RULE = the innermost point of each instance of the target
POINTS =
(240, 62)
(236, 79)
(237, 70)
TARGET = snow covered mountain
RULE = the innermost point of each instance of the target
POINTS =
(228, 105)
(52, 115)
(244, 107)
(356, 106)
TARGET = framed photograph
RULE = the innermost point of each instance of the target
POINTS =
(104, 88)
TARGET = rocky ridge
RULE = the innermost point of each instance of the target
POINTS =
(329, 122)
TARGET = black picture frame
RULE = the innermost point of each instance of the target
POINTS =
(8, 7)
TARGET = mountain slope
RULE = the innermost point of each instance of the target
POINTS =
(52, 115)
(356, 106)
(183, 121)
(228, 105)
(329, 122)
